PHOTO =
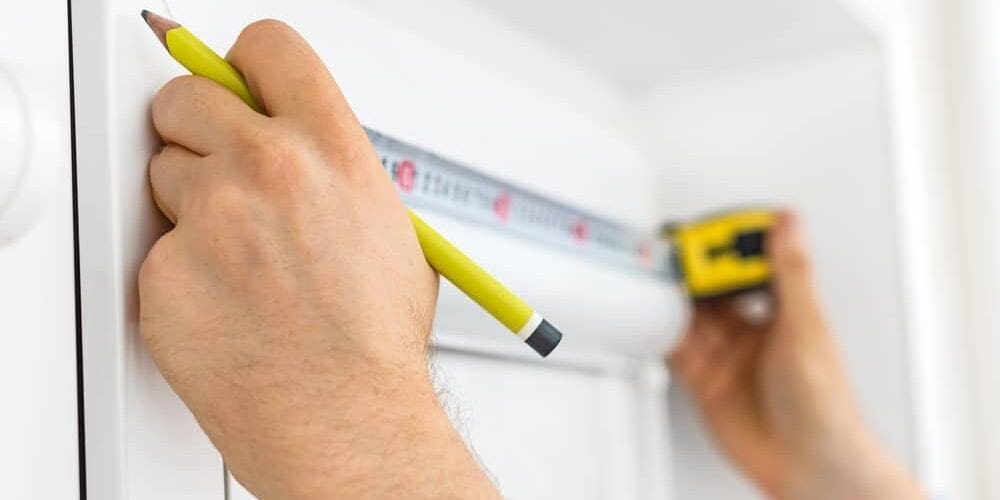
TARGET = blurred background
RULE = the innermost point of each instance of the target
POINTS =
(878, 119)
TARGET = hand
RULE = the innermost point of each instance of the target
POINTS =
(774, 394)
(290, 307)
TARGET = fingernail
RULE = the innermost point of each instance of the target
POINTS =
(789, 223)
(787, 220)
(787, 240)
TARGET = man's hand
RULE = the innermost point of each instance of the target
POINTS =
(290, 307)
(775, 397)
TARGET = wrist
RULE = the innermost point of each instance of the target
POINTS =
(370, 418)
(308, 433)
(363, 439)
(856, 468)
(404, 446)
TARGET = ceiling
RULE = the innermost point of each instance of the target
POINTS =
(639, 44)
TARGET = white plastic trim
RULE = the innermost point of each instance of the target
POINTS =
(21, 173)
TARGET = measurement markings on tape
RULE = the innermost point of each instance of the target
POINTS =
(425, 180)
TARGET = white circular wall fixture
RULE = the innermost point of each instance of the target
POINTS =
(21, 196)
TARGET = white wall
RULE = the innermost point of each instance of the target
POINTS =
(877, 15)
(978, 99)
(813, 136)
(38, 405)
(920, 56)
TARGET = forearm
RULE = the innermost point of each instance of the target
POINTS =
(388, 437)
(860, 471)
(416, 454)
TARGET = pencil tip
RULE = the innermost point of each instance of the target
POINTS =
(159, 24)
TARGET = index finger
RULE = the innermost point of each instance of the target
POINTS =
(286, 75)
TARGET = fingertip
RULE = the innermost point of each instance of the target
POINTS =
(791, 265)
(786, 217)
(786, 223)
(786, 245)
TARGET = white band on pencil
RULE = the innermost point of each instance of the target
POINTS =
(530, 327)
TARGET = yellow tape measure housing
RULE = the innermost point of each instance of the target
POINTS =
(723, 254)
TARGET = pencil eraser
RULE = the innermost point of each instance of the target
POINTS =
(544, 339)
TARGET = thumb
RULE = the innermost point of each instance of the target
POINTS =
(791, 269)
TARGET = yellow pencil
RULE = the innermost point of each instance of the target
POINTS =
(449, 261)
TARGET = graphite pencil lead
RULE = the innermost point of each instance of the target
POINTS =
(159, 24)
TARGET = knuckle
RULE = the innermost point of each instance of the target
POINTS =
(252, 137)
(149, 332)
(171, 93)
(157, 262)
(158, 165)
(229, 220)
(263, 28)
(354, 163)
(227, 203)
(279, 164)
(353, 160)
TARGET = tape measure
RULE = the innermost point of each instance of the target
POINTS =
(722, 254)
(426, 180)
(713, 256)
